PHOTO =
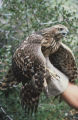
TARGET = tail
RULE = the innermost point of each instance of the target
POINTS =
(29, 98)
(8, 81)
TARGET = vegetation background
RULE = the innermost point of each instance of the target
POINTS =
(18, 19)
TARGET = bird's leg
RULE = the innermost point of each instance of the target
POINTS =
(45, 83)
(54, 75)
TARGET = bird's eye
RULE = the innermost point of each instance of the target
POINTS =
(60, 29)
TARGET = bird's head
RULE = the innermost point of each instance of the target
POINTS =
(53, 36)
(59, 31)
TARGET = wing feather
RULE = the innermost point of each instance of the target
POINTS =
(64, 60)
(29, 67)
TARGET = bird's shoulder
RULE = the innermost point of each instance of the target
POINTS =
(66, 49)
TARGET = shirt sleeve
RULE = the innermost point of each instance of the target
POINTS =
(57, 84)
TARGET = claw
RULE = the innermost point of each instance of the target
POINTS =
(53, 74)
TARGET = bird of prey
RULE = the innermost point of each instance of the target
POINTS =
(34, 61)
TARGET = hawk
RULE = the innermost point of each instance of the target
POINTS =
(35, 60)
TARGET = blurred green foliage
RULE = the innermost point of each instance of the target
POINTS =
(18, 19)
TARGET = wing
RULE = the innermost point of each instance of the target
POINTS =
(64, 60)
(9, 80)
(31, 90)
(29, 67)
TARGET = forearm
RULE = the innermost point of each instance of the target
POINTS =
(70, 95)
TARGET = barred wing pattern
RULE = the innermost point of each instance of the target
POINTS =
(64, 60)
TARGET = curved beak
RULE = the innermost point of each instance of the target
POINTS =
(65, 32)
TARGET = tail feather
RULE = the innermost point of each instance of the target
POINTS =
(8, 81)
(30, 98)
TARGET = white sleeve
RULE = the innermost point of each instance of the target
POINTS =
(57, 84)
